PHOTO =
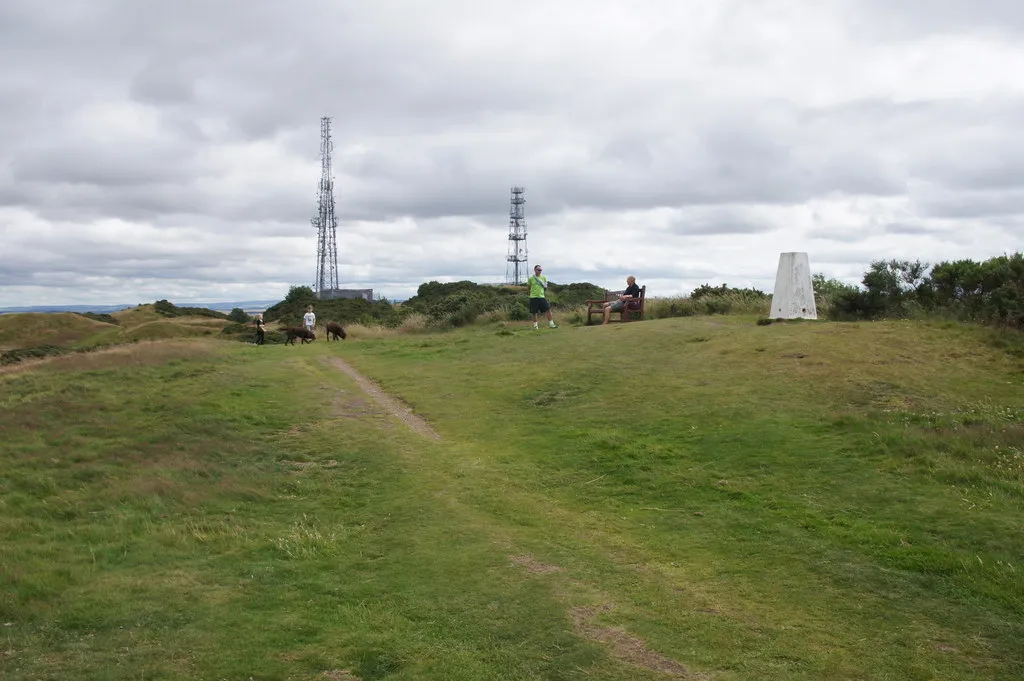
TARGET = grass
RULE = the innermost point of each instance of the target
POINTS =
(59, 328)
(703, 496)
(69, 332)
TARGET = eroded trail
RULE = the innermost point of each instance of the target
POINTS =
(391, 405)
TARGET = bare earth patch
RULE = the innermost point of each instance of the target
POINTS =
(306, 465)
(533, 566)
(340, 675)
(624, 646)
(391, 405)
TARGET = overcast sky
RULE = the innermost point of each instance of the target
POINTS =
(155, 149)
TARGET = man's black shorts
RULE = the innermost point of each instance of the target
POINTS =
(539, 305)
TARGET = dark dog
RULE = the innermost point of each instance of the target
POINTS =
(293, 332)
(337, 330)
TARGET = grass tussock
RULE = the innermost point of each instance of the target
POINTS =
(732, 303)
(411, 324)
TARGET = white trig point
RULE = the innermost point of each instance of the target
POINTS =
(794, 293)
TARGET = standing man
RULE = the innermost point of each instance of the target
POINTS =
(261, 329)
(538, 303)
(631, 293)
(309, 319)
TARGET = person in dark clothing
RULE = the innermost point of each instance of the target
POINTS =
(260, 329)
(631, 293)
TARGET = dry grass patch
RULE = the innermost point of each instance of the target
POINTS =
(142, 353)
(171, 329)
(533, 566)
(624, 646)
(32, 329)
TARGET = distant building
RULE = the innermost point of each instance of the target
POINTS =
(332, 293)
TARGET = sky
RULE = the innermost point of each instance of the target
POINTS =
(170, 150)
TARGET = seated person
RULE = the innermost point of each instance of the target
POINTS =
(631, 293)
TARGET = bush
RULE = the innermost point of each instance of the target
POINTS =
(238, 315)
(517, 311)
(345, 311)
(168, 309)
(100, 317)
(828, 291)
(990, 292)
(21, 354)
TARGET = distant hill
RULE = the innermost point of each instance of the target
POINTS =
(25, 335)
(249, 306)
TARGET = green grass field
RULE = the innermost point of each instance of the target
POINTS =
(698, 498)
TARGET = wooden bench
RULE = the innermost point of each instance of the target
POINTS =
(632, 311)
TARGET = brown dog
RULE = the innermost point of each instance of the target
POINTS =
(293, 332)
(337, 330)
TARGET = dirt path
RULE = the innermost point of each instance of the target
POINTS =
(391, 405)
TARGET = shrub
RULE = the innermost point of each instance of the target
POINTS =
(517, 310)
(828, 291)
(238, 315)
(990, 292)
(100, 317)
(168, 309)
(21, 354)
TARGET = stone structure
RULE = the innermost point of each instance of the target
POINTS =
(794, 292)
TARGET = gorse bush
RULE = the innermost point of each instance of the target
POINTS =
(168, 309)
(827, 291)
(238, 315)
(21, 354)
(343, 310)
(989, 292)
(460, 303)
(100, 317)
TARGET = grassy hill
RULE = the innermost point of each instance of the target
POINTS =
(25, 335)
(694, 498)
(23, 330)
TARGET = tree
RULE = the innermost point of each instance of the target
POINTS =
(238, 315)
(300, 294)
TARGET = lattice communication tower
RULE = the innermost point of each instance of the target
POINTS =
(517, 254)
(324, 221)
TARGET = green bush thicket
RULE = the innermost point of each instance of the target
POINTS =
(168, 309)
(100, 317)
(238, 315)
(342, 310)
(460, 303)
(989, 292)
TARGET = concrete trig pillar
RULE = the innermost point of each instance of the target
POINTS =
(794, 292)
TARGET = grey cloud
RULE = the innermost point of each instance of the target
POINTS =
(722, 222)
(915, 17)
(103, 165)
(914, 229)
(971, 204)
(438, 111)
(163, 80)
(848, 236)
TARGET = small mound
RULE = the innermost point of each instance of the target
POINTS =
(162, 330)
(134, 316)
(35, 329)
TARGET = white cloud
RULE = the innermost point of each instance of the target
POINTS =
(170, 150)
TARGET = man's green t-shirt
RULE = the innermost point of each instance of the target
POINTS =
(537, 285)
